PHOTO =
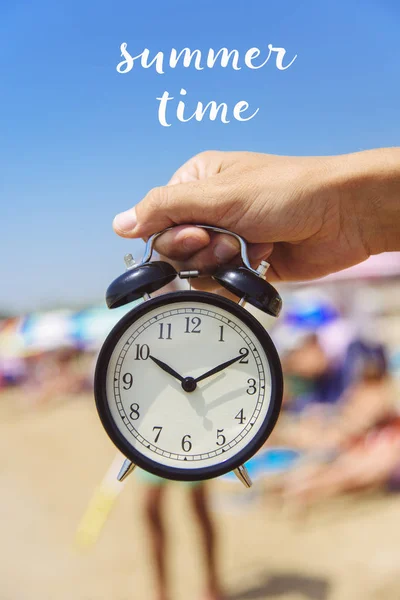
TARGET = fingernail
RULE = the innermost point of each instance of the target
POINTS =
(192, 244)
(225, 250)
(126, 221)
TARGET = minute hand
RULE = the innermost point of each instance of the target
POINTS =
(219, 368)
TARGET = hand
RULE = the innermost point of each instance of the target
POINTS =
(220, 367)
(167, 368)
(308, 216)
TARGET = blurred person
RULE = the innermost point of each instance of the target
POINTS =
(367, 401)
(154, 501)
(318, 387)
(154, 507)
(356, 449)
(366, 344)
(311, 378)
(360, 351)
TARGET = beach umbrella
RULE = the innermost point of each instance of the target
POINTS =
(309, 309)
(90, 327)
(43, 332)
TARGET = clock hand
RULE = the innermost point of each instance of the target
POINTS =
(167, 368)
(218, 368)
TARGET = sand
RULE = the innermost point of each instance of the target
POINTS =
(52, 458)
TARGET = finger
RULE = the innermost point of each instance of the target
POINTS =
(272, 275)
(182, 242)
(208, 284)
(300, 262)
(182, 200)
(161, 208)
(222, 249)
(259, 252)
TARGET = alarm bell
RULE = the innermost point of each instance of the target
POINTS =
(138, 281)
(251, 287)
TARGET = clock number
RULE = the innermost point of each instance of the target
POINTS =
(221, 439)
(186, 443)
(142, 352)
(221, 333)
(134, 412)
(251, 390)
(195, 322)
(240, 417)
(128, 380)
(168, 326)
(157, 434)
(244, 352)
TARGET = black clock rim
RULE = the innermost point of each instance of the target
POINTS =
(148, 464)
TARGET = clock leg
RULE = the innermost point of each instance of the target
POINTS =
(125, 470)
(242, 474)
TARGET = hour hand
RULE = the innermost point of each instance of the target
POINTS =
(219, 368)
(167, 368)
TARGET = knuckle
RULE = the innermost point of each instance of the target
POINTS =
(210, 157)
(208, 154)
(158, 196)
(160, 192)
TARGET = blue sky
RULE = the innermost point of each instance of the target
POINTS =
(80, 142)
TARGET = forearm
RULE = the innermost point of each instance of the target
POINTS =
(369, 184)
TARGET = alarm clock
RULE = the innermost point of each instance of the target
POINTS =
(188, 384)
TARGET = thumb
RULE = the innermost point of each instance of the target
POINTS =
(162, 207)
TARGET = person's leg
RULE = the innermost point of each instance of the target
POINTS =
(153, 508)
(202, 512)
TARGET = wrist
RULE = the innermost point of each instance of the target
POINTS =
(368, 188)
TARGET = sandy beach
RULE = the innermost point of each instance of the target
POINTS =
(53, 457)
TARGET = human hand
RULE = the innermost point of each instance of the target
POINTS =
(308, 216)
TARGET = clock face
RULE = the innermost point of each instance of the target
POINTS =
(188, 385)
